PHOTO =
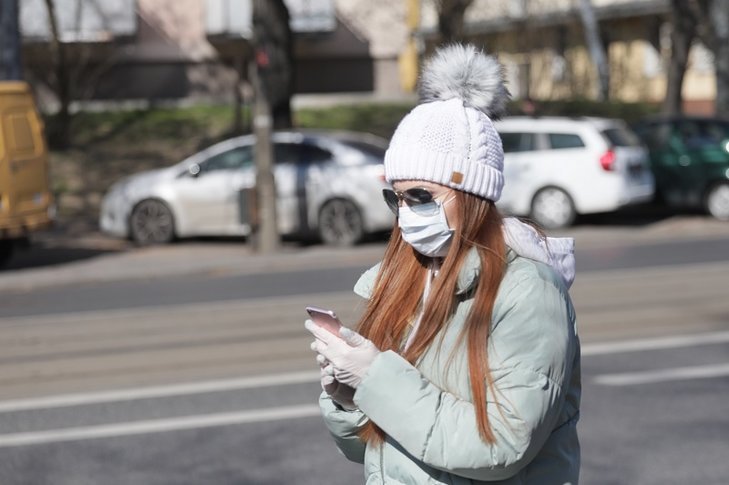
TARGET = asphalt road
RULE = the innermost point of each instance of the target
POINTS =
(199, 288)
(207, 377)
(662, 430)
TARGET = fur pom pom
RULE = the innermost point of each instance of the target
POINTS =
(465, 72)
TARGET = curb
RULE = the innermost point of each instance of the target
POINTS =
(106, 260)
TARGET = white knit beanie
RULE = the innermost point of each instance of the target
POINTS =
(449, 138)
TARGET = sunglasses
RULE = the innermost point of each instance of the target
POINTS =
(420, 200)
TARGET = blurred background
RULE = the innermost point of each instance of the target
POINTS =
(179, 179)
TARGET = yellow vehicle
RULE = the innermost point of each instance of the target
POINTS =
(26, 202)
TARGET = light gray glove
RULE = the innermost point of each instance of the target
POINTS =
(340, 393)
(350, 356)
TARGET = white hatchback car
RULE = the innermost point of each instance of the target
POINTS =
(556, 168)
(328, 184)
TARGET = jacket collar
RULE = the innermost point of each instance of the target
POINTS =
(467, 276)
(471, 270)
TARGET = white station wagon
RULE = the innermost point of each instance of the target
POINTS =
(556, 168)
(329, 185)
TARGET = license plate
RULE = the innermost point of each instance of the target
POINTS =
(635, 170)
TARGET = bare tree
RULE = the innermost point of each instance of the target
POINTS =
(72, 70)
(708, 20)
(712, 27)
(10, 57)
(683, 32)
(451, 14)
(596, 47)
(62, 85)
(719, 14)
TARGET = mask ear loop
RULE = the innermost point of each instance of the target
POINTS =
(443, 214)
(447, 200)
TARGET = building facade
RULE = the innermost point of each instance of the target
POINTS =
(542, 45)
(197, 49)
(157, 50)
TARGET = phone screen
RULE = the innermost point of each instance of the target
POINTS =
(325, 318)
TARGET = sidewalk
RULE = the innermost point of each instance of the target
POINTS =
(113, 260)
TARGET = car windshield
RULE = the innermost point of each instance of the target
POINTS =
(621, 137)
(702, 133)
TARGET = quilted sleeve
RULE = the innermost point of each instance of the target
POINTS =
(343, 426)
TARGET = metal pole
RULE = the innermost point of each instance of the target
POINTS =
(11, 67)
(597, 51)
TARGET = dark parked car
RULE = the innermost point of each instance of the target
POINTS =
(690, 161)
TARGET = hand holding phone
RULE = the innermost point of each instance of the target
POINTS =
(325, 318)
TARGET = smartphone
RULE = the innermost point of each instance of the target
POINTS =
(325, 318)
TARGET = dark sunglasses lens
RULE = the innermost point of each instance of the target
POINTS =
(417, 196)
(390, 199)
(421, 201)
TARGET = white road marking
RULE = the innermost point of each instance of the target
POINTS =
(265, 304)
(158, 425)
(663, 375)
(79, 399)
(671, 342)
(712, 267)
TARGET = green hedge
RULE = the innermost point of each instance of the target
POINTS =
(382, 119)
(207, 124)
(629, 112)
(378, 119)
(138, 125)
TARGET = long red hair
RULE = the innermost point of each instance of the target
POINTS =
(394, 303)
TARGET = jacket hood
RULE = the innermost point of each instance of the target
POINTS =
(557, 252)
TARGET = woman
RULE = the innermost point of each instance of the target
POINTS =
(465, 365)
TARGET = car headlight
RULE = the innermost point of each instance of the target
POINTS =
(119, 189)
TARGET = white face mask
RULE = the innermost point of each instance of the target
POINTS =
(426, 231)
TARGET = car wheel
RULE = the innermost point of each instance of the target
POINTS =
(152, 223)
(717, 201)
(340, 223)
(552, 208)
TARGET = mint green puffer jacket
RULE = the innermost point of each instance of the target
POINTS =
(426, 412)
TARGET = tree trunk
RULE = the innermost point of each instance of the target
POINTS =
(683, 31)
(597, 49)
(722, 79)
(11, 67)
(61, 133)
(719, 15)
(451, 14)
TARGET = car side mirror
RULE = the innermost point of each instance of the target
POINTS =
(194, 170)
